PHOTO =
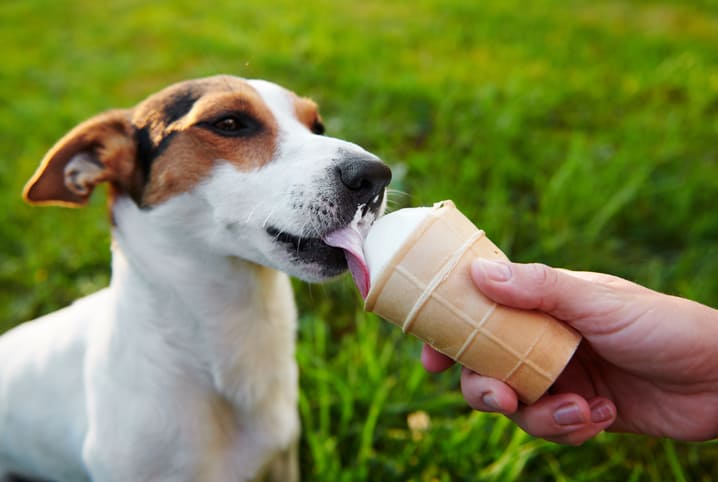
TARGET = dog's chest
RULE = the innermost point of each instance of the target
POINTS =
(222, 371)
(255, 416)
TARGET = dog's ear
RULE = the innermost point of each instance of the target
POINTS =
(101, 149)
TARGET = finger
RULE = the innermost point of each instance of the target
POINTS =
(558, 292)
(532, 286)
(487, 394)
(566, 418)
(603, 415)
(434, 361)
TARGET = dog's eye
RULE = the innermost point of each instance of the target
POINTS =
(234, 125)
(230, 124)
(318, 127)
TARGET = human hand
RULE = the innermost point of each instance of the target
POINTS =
(648, 363)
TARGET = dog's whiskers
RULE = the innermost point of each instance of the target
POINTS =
(251, 213)
(278, 235)
(266, 220)
(317, 231)
(393, 203)
(391, 195)
(304, 226)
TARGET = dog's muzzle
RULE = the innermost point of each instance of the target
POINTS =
(353, 194)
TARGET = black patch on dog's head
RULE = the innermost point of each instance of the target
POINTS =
(145, 150)
(152, 138)
(179, 105)
(148, 150)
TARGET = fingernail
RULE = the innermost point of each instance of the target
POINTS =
(568, 414)
(490, 401)
(601, 411)
(494, 270)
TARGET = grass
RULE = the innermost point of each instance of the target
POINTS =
(576, 133)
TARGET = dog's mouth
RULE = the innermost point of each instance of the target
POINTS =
(335, 251)
(312, 251)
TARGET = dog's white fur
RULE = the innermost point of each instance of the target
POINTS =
(183, 368)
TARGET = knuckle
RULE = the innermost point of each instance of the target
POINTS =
(545, 281)
(542, 274)
(531, 423)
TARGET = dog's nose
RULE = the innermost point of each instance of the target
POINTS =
(365, 179)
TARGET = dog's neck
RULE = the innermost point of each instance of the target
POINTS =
(235, 319)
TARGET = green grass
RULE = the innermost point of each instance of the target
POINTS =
(577, 133)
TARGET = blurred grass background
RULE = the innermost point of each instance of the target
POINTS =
(577, 133)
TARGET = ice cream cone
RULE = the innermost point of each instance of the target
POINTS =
(425, 288)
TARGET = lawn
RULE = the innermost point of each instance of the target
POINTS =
(577, 133)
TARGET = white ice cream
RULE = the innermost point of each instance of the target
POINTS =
(388, 234)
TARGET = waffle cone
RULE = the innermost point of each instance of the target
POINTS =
(426, 289)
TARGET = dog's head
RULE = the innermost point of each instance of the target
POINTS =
(239, 165)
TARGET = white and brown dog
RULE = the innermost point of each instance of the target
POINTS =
(183, 368)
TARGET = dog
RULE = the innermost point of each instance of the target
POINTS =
(183, 369)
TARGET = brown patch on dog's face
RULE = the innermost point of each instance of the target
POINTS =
(308, 114)
(184, 131)
(170, 142)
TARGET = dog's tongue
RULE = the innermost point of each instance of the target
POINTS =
(350, 240)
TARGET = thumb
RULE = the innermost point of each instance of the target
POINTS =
(569, 296)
